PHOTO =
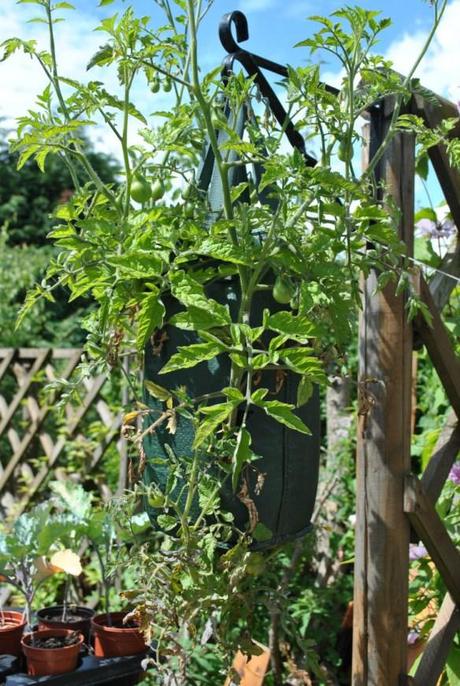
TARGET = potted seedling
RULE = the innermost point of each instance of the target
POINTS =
(68, 615)
(25, 566)
(74, 504)
(115, 633)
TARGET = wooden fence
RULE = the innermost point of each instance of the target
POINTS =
(390, 499)
(32, 438)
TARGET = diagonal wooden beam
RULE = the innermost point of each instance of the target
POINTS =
(438, 345)
(446, 452)
(7, 358)
(24, 387)
(448, 176)
(437, 649)
(442, 285)
(431, 530)
(112, 434)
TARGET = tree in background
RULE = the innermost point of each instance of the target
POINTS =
(27, 199)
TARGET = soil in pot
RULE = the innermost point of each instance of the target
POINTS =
(76, 618)
(117, 639)
(11, 628)
(51, 651)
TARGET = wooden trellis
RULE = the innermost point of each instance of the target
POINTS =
(27, 430)
(390, 499)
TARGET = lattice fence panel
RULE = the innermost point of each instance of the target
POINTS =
(34, 437)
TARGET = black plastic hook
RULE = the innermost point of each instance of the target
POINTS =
(238, 19)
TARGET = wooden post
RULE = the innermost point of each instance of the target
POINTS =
(383, 454)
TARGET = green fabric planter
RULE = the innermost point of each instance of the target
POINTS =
(289, 459)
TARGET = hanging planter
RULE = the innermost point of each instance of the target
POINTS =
(289, 460)
(11, 629)
(276, 491)
(51, 651)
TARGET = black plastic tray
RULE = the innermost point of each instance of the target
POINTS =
(116, 671)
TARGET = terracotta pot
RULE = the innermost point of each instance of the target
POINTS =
(11, 627)
(116, 640)
(82, 625)
(45, 661)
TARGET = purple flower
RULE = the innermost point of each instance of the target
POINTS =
(454, 474)
(427, 228)
(416, 551)
(412, 637)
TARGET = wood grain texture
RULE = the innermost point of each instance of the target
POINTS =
(383, 453)
(449, 177)
(434, 657)
(445, 453)
(431, 530)
(438, 344)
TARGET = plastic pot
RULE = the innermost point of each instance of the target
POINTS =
(46, 661)
(11, 628)
(82, 625)
(116, 640)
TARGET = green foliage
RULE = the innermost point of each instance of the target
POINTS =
(29, 196)
(195, 576)
(31, 536)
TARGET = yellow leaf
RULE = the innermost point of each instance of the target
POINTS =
(67, 561)
(172, 423)
(130, 417)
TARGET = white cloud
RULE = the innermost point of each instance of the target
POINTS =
(22, 77)
(440, 69)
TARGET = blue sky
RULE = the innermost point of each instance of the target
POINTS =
(274, 26)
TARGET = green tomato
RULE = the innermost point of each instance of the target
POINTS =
(217, 120)
(141, 191)
(158, 190)
(155, 85)
(156, 500)
(167, 85)
(282, 291)
(256, 564)
(345, 153)
(189, 210)
(187, 192)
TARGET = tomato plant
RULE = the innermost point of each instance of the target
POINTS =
(300, 232)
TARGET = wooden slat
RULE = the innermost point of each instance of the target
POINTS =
(39, 361)
(383, 453)
(431, 530)
(72, 426)
(446, 452)
(449, 177)
(434, 657)
(438, 345)
(441, 285)
(108, 439)
(6, 361)
(35, 425)
(32, 353)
